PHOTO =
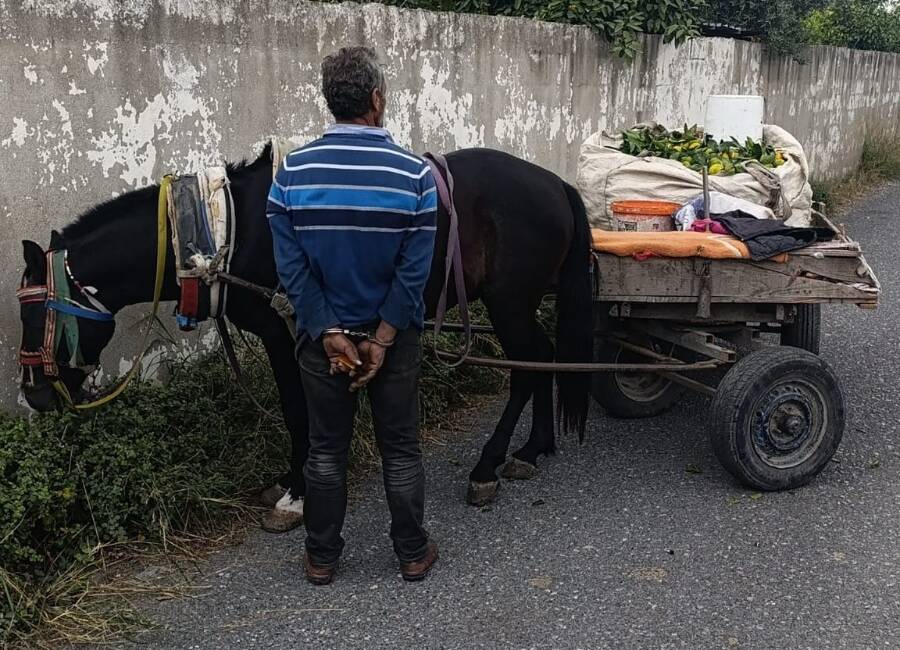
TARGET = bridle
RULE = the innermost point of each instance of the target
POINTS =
(62, 311)
(61, 314)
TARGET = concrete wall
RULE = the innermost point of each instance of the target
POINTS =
(101, 96)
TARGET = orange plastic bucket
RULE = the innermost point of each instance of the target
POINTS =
(644, 216)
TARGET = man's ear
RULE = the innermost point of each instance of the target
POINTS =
(33, 255)
(378, 101)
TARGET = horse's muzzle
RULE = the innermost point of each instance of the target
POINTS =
(42, 399)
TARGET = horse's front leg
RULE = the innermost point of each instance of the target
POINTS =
(287, 512)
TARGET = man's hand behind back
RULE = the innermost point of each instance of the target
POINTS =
(339, 350)
(372, 353)
(372, 356)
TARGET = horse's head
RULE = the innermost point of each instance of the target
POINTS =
(64, 328)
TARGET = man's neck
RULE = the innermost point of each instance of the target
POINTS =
(359, 121)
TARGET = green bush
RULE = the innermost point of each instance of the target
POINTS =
(150, 463)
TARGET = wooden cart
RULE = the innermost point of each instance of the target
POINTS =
(777, 415)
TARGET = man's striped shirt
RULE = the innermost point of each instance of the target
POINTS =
(353, 219)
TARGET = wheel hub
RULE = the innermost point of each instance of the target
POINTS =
(788, 424)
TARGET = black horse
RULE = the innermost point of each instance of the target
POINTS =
(522, 230)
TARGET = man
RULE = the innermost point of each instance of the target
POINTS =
(353, 219)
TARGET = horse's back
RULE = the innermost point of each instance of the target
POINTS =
(521, 209)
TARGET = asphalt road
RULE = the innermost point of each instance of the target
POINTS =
(616, 544)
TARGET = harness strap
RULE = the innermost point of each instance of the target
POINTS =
(30, 358)
(48, 347)
(33, 294)
(79, 312)
(453, 261)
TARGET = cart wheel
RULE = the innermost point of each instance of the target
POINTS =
(777, 418)
(631, 394)
(806, 331)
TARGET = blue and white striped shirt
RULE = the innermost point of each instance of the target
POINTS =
(353, 219)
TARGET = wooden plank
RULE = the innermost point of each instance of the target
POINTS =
(826, 253)
(678, 280)
(840, 269)
(689, 339)
(687, 312)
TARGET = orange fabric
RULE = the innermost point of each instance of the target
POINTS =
(672, 244)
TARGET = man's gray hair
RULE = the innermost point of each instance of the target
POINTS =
(348, 79)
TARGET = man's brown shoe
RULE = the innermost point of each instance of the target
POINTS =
(318, 575)
(415, 571)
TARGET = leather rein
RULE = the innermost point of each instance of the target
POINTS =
(453, 265)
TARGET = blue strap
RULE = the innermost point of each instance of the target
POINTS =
(79, 312)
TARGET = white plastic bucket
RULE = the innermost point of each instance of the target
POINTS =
(735, 116)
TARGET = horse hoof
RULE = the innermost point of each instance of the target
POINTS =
(519, 470)
(271, 495)
(481, 494)
(286, 515)
(279, 521)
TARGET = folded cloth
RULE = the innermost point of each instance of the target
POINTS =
(709, 225)
(765, 238)
(671, 244)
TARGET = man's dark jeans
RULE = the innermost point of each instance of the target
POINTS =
(393, 394)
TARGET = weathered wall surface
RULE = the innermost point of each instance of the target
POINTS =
(101, 96)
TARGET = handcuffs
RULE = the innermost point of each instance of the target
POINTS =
(371, 338)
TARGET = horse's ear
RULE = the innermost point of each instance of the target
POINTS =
(34, 258)
(56, 240)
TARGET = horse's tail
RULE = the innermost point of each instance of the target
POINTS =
(574, 321)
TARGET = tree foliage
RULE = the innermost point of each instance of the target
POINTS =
(859, 24)
(618, 21)
(787, 26)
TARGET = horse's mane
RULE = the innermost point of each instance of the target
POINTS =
(135, 200)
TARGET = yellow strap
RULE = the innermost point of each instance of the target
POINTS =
(161, 240)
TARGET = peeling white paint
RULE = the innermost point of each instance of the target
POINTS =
(64, 118)
(442, 112)
(30, 74)
(75, 90)
(96, 64)
(180, 71)
(18, 135)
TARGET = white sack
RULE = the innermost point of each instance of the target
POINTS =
(606, 175)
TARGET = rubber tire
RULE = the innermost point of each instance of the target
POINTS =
(806, 331)
(607, 393)
(744, 384)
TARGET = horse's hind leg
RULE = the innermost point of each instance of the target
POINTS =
(523, 463)
(515, 326)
